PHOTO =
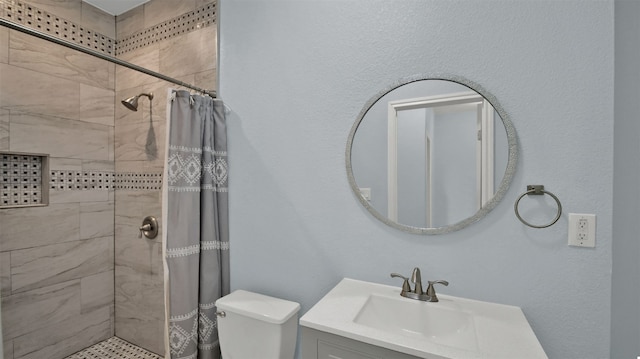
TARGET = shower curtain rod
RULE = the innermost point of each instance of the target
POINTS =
(115, 60)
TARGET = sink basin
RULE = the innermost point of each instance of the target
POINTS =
(439, 323)
(454, 327)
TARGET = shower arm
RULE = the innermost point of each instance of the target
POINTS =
(115, 60)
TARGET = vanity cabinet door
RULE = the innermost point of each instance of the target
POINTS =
(317, 344)
(331, 351)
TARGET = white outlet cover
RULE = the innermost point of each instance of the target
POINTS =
(580, 235)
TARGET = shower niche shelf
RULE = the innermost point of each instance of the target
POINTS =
(24, 179)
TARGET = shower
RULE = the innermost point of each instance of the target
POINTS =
(105, 173)
(132, 102)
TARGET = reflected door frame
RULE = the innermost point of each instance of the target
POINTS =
(484, 147)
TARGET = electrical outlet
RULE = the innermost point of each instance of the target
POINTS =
(582, 230)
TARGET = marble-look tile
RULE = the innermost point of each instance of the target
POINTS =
(129, 22)
(147, 57)
(98, 165)
(75, 196)
(97, 291)
(189, 53)
(132, 251)
(61, 339)
(135, 203)
(7, 349)
(46, 265)
(158, 11)
(98, 20)
(139, 166)
(26, 312)
(36, 226)
(4, 130)
(140, 254)
(201, 3)
(139, 280)
(5, 273)
(112, 144)
(68, 9)
(207, 79)
(45, 57)
(38, 92)
(96, 219)
(157, 112)
(4, 44)
(59, 137)
(97, 105)
(139, 308)
(61, 163)
(140, 142)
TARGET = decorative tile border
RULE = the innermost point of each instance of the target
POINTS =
(179, 25)
(50, 24)
(31, 16)
(67, 180)
(139, 181)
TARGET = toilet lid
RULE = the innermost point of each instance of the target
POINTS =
(258, 306)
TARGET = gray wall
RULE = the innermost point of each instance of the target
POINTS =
(296, 74)
(625, 328)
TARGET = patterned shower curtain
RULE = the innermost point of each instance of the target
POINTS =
(196, 229)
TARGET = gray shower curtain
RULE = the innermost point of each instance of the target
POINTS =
(195, 218)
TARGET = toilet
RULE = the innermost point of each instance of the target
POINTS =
(252, 325)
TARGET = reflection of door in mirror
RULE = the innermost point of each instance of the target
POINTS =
(440, 158)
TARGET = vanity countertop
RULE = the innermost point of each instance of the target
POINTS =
(488, 330)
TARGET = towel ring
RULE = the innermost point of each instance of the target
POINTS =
(538, 190)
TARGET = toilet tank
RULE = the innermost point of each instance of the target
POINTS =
(257, 326)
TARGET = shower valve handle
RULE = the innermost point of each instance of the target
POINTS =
(149, 228)
(144, 228)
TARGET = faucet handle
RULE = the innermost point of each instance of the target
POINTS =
(431, 292)
(416, 279)
(405, 285)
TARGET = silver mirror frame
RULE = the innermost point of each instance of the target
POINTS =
(499, 194)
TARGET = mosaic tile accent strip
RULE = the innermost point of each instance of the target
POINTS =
(139, 181)
(50, 24)
(202, 17)
(21, 180)
(114, 348)
(63, 180)
(68, 180)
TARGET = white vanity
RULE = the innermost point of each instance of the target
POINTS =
(363, 320)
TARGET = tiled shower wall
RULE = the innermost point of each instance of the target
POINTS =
(187, 55)
(57, 262)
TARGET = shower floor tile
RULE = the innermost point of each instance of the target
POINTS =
(114, 348)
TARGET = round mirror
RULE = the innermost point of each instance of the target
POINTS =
(431, 155)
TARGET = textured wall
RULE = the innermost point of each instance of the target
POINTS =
(139, 148)
(296, 74)
(56, 262)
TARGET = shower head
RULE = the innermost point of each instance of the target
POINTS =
(132, 102)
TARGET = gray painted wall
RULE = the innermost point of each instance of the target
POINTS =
(296, 74)
(625, 316)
